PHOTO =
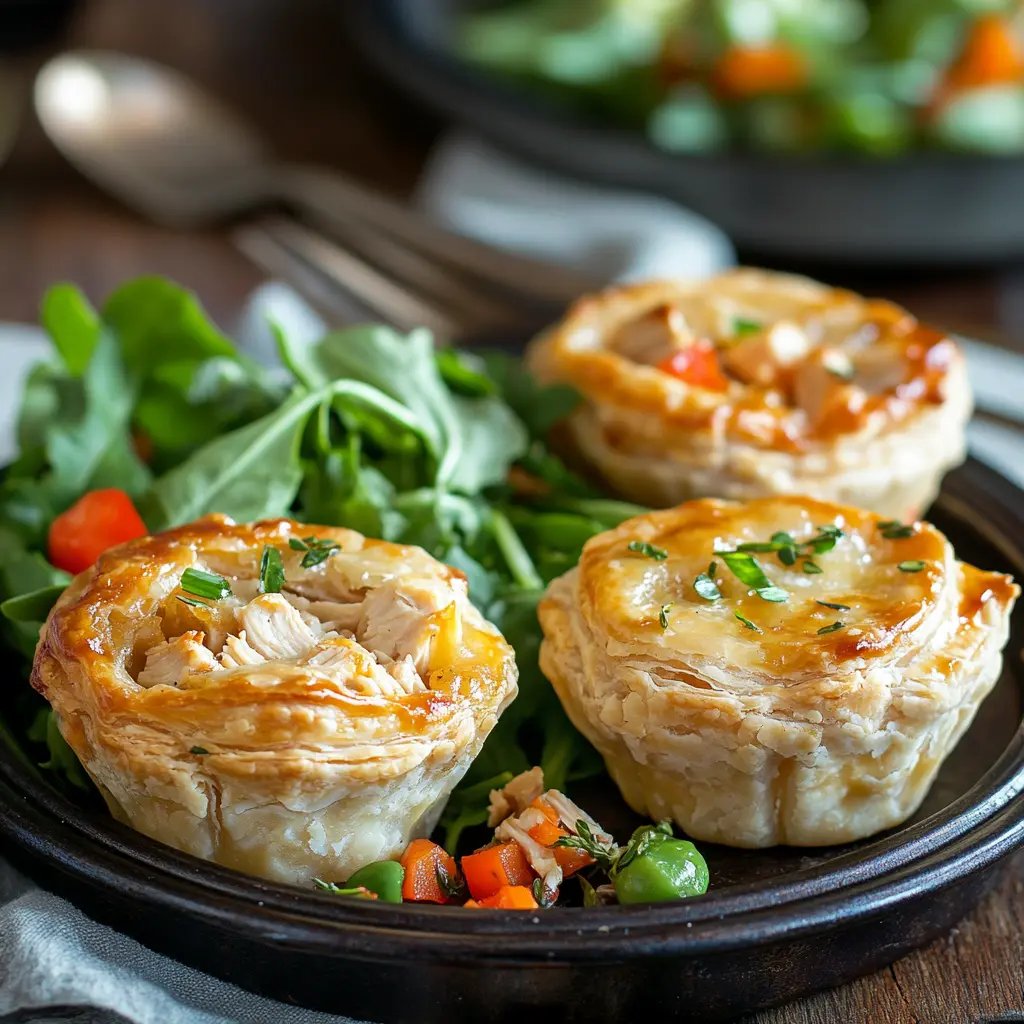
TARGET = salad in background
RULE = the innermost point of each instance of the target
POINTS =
(878, 77)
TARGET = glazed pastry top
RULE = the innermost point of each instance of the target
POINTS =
(769, 359)
(369, 652)
(787, 589)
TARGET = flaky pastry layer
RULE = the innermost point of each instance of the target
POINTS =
(290, 735)
(813, 720)
(824, 393)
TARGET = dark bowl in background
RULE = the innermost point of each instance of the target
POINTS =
(28, 23)
(926, 208)
(776, 923)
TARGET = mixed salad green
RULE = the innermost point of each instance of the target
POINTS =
(365, 428)
(875, 76)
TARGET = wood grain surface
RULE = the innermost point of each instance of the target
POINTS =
(287, 66)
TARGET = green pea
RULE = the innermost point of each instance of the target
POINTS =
(671, 869)
(384, 877)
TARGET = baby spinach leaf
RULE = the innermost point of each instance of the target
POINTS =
(491, 439)
(78, 448)
(156, 321)
(63, 760)
(250, 473)
(72, 324)
(33, 606)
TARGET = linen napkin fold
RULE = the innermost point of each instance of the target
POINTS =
(51, 955)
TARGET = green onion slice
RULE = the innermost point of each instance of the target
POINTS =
(271, 571)
(641, 547)
(203, 584)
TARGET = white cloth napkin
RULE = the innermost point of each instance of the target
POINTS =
(50, 953)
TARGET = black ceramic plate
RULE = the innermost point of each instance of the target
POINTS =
(926, 208)
(775, 924)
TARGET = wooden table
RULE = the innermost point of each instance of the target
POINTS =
(286, 65)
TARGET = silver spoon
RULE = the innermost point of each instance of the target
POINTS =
(154, 140)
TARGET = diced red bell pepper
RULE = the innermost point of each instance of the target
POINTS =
(697, 364)
(98, 521)
(423, 862)
(486, 871)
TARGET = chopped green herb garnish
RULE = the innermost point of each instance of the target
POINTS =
(337, 890)
(191, 601)
(892, 529)
(641, 547)
(663, 615)
(741, 326)
(199, 750)
(831, 629)
(837, 607)
(271, 571)
(712, 569)
(452, 885)
(205, 584)
(707, 588)
(811, 568)
(318, 549)
(787, 555)
(746, 622)
(605, 854)
(748, 570)
(542, 894)
(912, 565)
(590, 897)
(783, 538)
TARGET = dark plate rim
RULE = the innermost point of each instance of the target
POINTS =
(401, 55)
(967, 835)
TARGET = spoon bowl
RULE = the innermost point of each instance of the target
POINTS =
(150, 136)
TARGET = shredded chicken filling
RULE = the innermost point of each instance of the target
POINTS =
(377, 646)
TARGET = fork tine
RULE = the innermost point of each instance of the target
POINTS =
(476, 310)
(340, 201)
(274, 259)
(352, 276)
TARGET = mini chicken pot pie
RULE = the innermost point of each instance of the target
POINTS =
(288, 734)
(753, 384)
(780, 671)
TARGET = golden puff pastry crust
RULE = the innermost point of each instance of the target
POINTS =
(786, 728)
(816, 391)
(290, 735)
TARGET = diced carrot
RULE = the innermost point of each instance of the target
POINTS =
(547, 833)
(509, 897)
(991, 55)
(97, 521)
(486, 871)
(697, 364)
(423, 862)
(743, 72)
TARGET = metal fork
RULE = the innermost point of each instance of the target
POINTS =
(374, 277)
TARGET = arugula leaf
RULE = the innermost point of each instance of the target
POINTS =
(473, 441)
(540, 407)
